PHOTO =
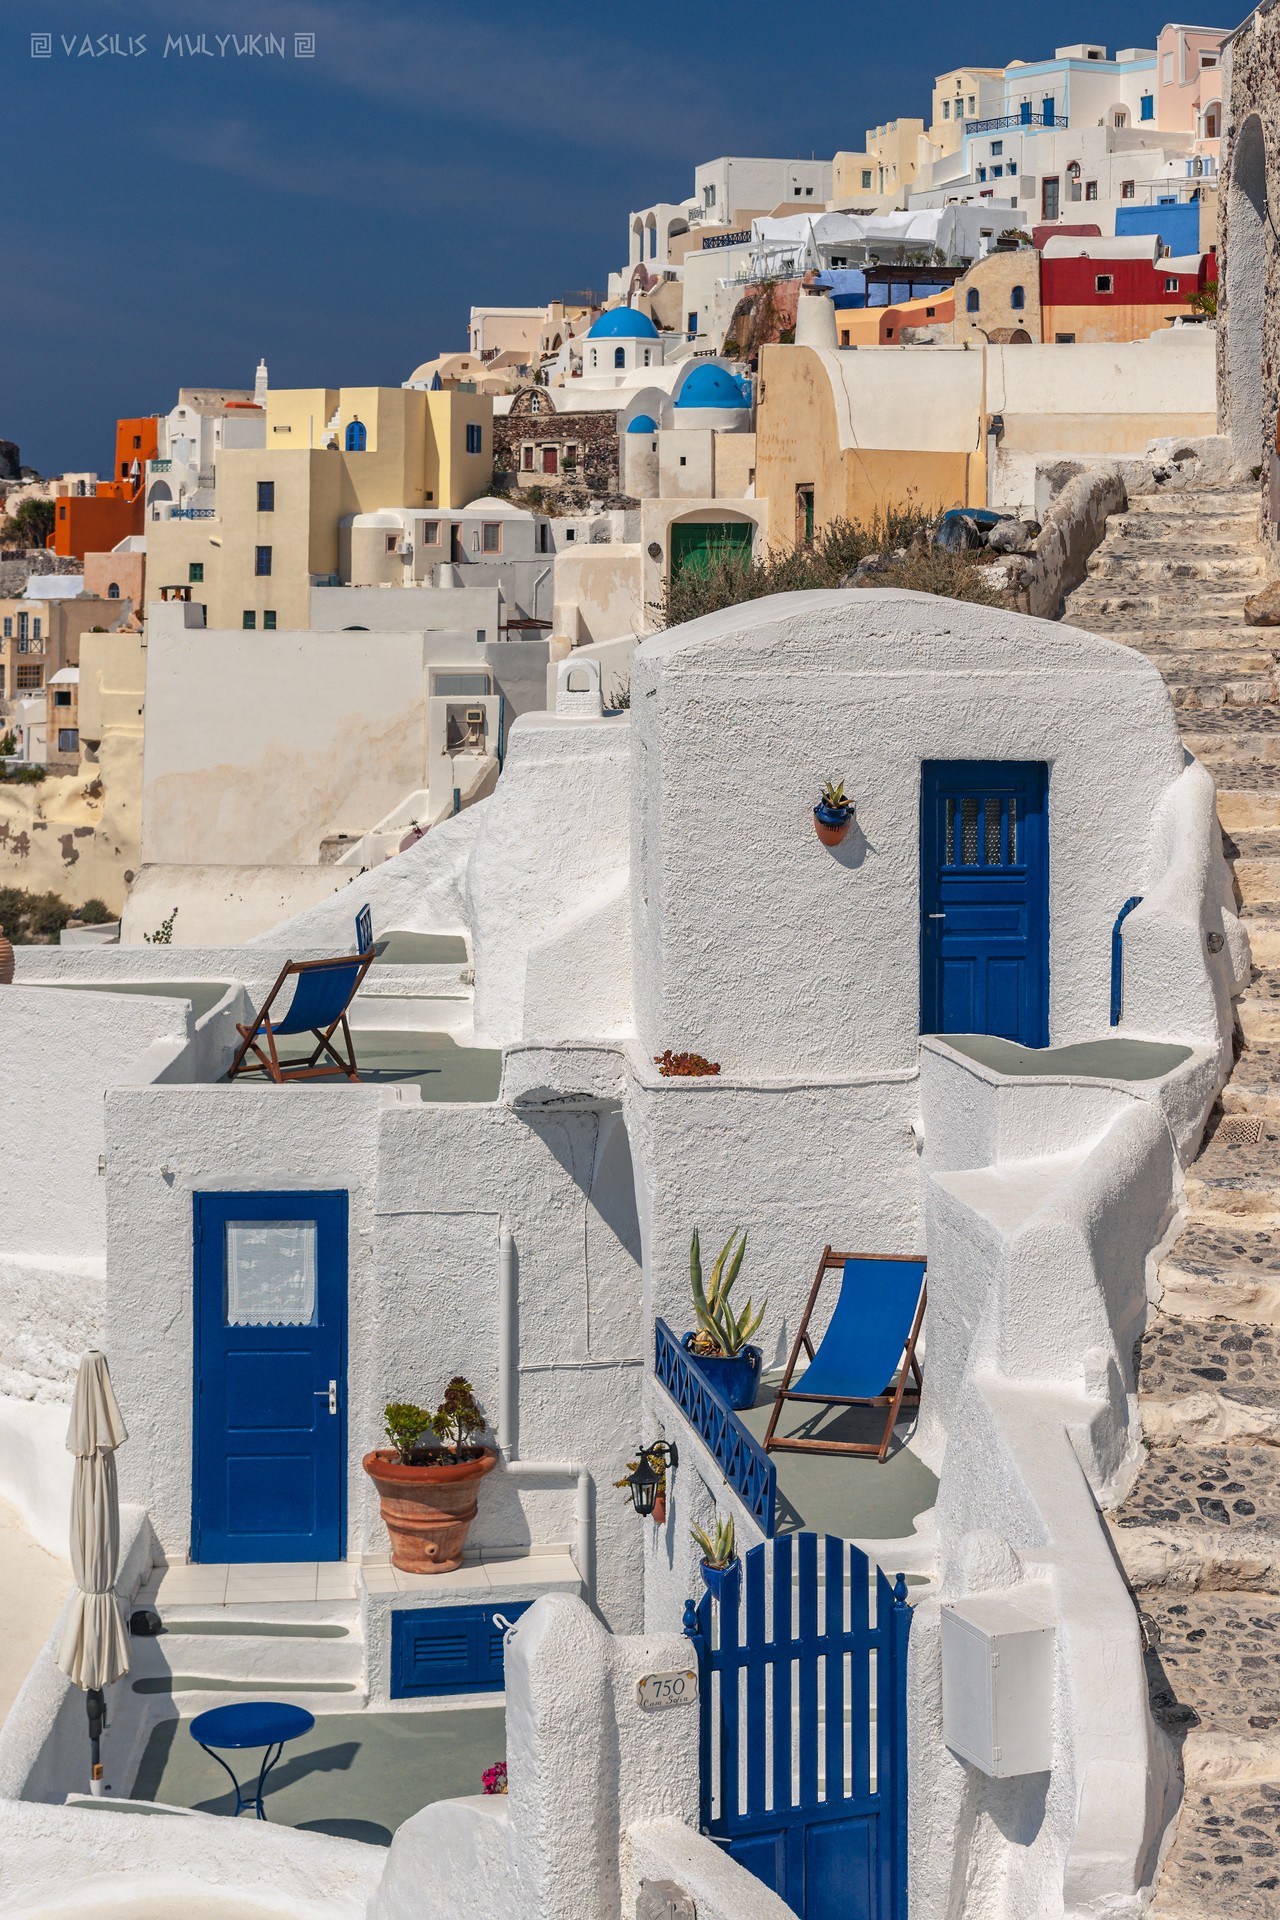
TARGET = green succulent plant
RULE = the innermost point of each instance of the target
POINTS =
(719, 1329)
(833, 794)
(719, 1547)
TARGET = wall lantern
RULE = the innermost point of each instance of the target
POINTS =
(647, 1482)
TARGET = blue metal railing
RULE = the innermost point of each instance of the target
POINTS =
(194, 513)
(1117, 957)
(738, 1454)
(1005, 122)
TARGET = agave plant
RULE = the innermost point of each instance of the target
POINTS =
(834, 796)
(719, 1547)
(719, 1329)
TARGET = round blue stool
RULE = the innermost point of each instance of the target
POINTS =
(255, 1723)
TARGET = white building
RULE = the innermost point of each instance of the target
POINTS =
(181, 480)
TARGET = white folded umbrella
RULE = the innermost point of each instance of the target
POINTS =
(94, 1647)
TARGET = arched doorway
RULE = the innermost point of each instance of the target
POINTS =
(1246, 272)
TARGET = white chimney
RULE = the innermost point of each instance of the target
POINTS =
(260, 384)
(815, 320)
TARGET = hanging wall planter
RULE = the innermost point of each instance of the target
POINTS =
(833, 815)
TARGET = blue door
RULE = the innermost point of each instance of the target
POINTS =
(984, 886)
(270, 1451)
(803, 1698)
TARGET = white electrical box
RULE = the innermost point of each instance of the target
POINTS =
(997, 1683)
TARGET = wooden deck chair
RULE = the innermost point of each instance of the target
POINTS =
(867, 1352)
(324, 991)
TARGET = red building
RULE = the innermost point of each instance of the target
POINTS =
(1116, 290)
(96, 522)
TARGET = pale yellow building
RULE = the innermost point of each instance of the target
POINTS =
(965, 93)
(880, 175)
(329, 453)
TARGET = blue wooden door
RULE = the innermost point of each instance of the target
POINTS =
(804, 1726)
(984, 899)
(270, 1377)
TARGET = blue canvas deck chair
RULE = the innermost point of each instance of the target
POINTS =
(324, 991)
(868, 1352)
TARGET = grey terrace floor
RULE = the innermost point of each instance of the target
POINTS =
(435, 1062)
(1106, 1059)
(855, 1496)
(356, 1776)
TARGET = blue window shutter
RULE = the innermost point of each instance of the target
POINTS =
(442, 1650)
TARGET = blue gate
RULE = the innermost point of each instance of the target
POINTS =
(804, 1726)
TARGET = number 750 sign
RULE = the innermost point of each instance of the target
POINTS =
(667, 1690)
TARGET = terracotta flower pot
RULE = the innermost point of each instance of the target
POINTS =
(6, 961)
(831, 824)
(427, 1510)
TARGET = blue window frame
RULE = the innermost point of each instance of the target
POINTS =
(266, 496)
(972, 300)
(475, 438)
(68, 740)
(982, 173)
(357, 438)
(997, 148)
(1147, 107)
(1018, 297)
(619, 356)
(262, 560)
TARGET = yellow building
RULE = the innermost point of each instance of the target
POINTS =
(966, 93)
(884, 171)
(329, 453)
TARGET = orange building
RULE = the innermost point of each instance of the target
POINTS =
(96, 522)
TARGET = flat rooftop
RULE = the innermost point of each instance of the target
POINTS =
(433, 1062)
(853, 1495)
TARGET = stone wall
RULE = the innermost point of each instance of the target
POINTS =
(595, 435)
(1249, 254)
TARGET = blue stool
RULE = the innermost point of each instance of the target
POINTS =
(256, 1723)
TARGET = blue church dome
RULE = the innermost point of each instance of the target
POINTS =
(709, 386)
(643, 423)
(623, 323)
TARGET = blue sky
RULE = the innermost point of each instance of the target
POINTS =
(169, 218)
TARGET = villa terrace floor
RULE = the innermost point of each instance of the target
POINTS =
(434, 1062)
(356, 1776)
(853, 1495)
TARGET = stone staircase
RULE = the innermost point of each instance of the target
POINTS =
(1199, 1532)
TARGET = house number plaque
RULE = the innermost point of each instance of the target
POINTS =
(667, 1690)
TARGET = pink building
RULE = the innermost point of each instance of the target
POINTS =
(1189, 73)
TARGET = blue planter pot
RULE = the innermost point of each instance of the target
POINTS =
(734, 1380)
(715, 1577)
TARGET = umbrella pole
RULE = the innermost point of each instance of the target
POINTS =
(96, 1705)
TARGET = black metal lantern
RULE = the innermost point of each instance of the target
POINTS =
(655, 1462)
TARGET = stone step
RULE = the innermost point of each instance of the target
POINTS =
(1207, 1514)
(1257, 882)
(1116, 615)
(1224, 521)
(1209, 1380)
(1262, 924)
(1213, 1662)
(1239, 503)
(1211, 566)
(183, 1695)
(1251, 843)
(1224, 1269)
(1244, 810)
(1254, 1086)
(1217, 661)
(1230, 1178)
(1194, 636)
(1224, 1863)
(1258, 1018)
(287, 1653)
(1260, 778)
(1197, 691)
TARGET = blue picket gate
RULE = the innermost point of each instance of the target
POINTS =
(804, 1725)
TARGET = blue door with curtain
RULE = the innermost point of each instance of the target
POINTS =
(269, 1440)
(984, 883)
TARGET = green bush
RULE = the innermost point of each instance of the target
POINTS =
(33, 919)
(95, 913)
(723, 580)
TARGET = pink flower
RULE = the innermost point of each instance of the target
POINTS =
(494, 1778)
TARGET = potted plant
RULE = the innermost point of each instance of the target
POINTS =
(719, 1553)
(833, 815)
(719, 1344)
(428, 1478)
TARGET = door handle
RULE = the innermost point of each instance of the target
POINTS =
(329, 1393)
(935, 916)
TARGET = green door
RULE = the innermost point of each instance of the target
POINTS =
(701, 543)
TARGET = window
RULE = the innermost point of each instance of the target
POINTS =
(619, 356)
(1018, 298)
(709, 196)
(37, 627)
(1172, 284)
(262, 561)
(972, 301)
(113, 591)
(571, 456)
(1049, 199)
(1206, 60)
(946, 109)
(866, 179)
(1126, 190)
(491, 537)
(844, 336)
(804, 516)
(68, 740)
(1212, 122)
(646, 356)
(982, 173)
(526, 459)
(535, 403)
(430, 535)
(551, 459)
(8, 627)
(1120, 118)
(1063, 339)
(269, 619)
(692, 327)
(1147, 107)
(266, 496)
(124, 469)
(683, 461)
(62, 697)
(594, 357)
(137, 438)
(997, 148)
(24, 625)
(357, 438)
(972, 103)
(249, 619)
(195, 577)
(475, 438)
(62, 513)
(997, 173)
(393, 541)
(1102, 283)
(1090, 189)
(29, 679)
